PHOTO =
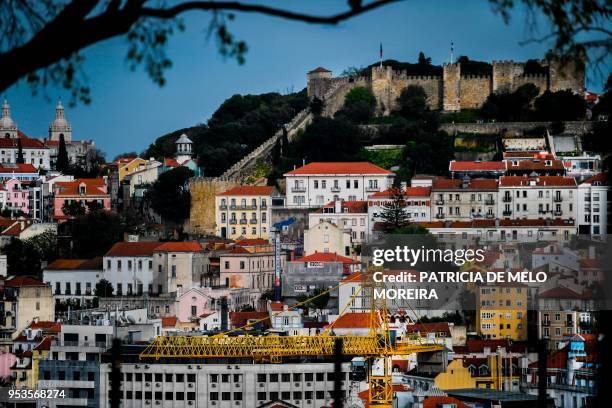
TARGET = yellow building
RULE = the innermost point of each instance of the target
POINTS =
(34, 301)
(501, 311)
(129, 166)
(493, 372)
(244, 212)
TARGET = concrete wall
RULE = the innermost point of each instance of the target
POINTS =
(574, 127)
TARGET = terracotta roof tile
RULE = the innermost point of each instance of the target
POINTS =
(20, 281)
(133, 249)
(477, 166)
(552, 181)
(339, 168)
(186, 246)
(248, 191)
(169, 321)
(352, 321)
(94, 264)
(240, 319)
(17, 168)
(456, 184)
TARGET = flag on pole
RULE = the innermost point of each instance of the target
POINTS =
(452, 52)
(381, 54)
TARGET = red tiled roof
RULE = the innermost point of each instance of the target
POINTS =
(437, 327)
(20, 281)
(171, 162)
(326, 257)
(252, 242)
(248, 190)
(133, 249)
(319, 69)
(277, 306)
(93, 186)
(553, 181)
(339, 168)
(439, 402)
(353, 207)
(17, 168)
(456, 184)
(240, 319)
(26, 142)
(534, 165)
(46, 326)
(169, 321)
(239, 250)
(45, 344)
(477, 166)
(560, 293)
(94, 264)
(186, 246)
(478, 346)
(602, 178)
(352, 321)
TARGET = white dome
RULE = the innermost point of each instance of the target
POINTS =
(6, 122)
(59, 124)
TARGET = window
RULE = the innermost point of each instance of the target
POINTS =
(261, 396)
(191, 377)
(261, 378)
(214, 396)
(273, 377)
(226, 396)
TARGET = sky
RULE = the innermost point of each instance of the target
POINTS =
(128, 111)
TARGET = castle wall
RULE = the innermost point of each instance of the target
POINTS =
(568, 76)
(451, 87)
(504, 73)
(541, 81)
(473, 91)
(203, 191)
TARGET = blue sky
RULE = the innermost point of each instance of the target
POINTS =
(128, 111)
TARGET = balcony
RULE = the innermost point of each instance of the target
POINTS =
(223, 207)
(490, 215)
(243, 221)
(263, 207)
(507, 199)
(54, 384)
(546, 323)
(507, 213)
(557, 213)
(253, 221)
(233, 207)
(372, 189)
(300, 189)
(439, 202)
(440, 216)
(335, 189)
(557, 199)
(233, 221)
(489, 201)
(247, 207)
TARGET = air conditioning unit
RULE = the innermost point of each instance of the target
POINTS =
(136, 366)
(308, 401)
(237, 385)
(157, 385)
(190, 385)
(236, 367)
(189, 367)
(148, 402)
(147, 366)
(199, 367)
(237, 403)
(147, 384)
(213, 385)
(308, 384)
(211, 403)
(261, 385)
(156, 402)
(191, 403)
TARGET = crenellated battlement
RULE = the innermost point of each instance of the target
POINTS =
(453, 90)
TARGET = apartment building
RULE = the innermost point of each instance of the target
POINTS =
(594, 205)
(349, 215)
(465, 199)
(501, 311)
(83, 191)
(73, 279)
(128, 266)
(244, 212)
(318, 183)
(328, 237)
(564, 312)
(544, 197)
(223, 385)
(32, 300)
(417, 202)
(178, 266)
(546, 166)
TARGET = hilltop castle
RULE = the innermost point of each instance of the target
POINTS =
(450, 92)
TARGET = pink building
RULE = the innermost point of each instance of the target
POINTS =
(80, 190)
(17, 195)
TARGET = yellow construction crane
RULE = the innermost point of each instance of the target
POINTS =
(376, 346)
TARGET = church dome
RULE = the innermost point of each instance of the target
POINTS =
(6, 122)
(59, 124)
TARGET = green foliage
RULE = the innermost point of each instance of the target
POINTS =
(73, 208)
(62, 163)
(386, 159)
(319, 302)
(423, 67)
(325, 140)
(559, 106)
(510, 106)
(455, 318)
(317, 106)
(359, 105)
(26, 257)
(124, 155)
(470, 67)
(103, 289)
(394, 215)
(19, 159)
(412, 102)
(237, 127)
(105, 226)
(169, 196)
(410, 229)
(598, 139)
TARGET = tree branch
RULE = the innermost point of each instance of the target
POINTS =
(260, 9)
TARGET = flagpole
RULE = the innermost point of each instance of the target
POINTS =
(381, 55)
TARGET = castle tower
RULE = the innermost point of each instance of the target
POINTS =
(451, 74)
(318, 80)
(183, 149)
(568, 75)
(504, 73)
(8, 127)
(60, 125)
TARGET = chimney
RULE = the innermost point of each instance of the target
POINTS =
(338, 206)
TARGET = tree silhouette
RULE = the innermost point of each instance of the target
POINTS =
(62, 164)
(20, 159)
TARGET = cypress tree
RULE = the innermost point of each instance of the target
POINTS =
(62, 155)
(20, 159)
